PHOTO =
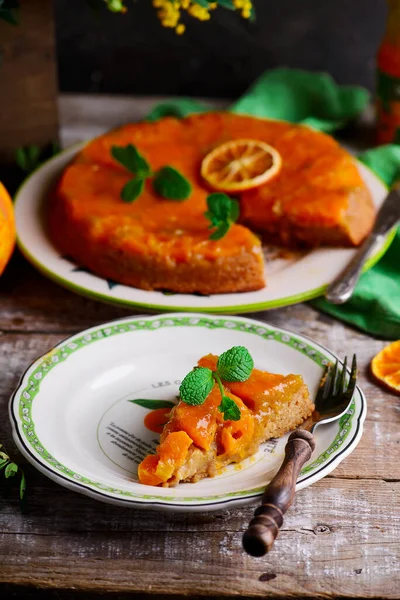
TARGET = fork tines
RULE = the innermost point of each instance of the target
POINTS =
(334, 386)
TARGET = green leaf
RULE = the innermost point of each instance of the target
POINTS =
(222, 212)
(153, 404)
(33, 153)
(177, 108)
(21, 159)
(230, 409)
(219, 207)
(202, 3)
(221, 231)
(196, 386)
(171, 184)
(130, 158)
(28, 158)
(11, 470)
(22, 486)
(132, 190)
(253, 15)
(222, 208)
(235, 364)
(116, 6)
(226, 4)
(4, 462)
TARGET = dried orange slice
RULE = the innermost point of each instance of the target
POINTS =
(386, 366)
(240, 165)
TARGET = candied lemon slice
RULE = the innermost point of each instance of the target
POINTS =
(240, 165)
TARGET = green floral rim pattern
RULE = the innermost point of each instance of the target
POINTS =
(61, 353)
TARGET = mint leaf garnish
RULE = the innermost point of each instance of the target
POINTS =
(132, 190)
(171, 184)
(229, 409)
(222, 212)
(220, 232)
(235, 364)
(196, 386)
(130, 158)
(167, 181)
(153, 404)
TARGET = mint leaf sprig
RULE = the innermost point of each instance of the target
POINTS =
(11, 469)
(168, 182)
(233, 365)
(222, 212)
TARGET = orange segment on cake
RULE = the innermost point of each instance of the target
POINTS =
(197, 442)
(315, 197)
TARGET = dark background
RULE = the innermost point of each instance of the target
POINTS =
(133, 54)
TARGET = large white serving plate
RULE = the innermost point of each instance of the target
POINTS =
(297, 278)
(74, 419)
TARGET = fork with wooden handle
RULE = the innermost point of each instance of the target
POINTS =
(332, 401)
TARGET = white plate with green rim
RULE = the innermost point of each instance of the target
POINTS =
(297, 278)
(75, 418)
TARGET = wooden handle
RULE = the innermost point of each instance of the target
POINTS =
(278, 496)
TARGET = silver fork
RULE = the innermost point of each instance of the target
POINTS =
(332, 401)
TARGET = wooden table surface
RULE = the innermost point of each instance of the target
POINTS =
(340, 539)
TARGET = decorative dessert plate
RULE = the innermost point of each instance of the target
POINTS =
(291, 277)
(78, 412)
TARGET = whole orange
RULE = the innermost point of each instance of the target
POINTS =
(7, 227)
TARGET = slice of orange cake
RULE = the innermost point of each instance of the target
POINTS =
(199, 439)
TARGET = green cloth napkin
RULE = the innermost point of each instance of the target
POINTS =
(293, 95)
(314, 99)
(375, 304)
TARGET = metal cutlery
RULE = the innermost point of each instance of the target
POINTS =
(333, 399)
(342, 288)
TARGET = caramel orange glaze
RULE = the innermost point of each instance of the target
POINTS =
(311, 194)
(204, 424)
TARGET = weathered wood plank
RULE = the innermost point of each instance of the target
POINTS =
(335, 528)
(84, 116)
(30, 302)
(326, 548)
